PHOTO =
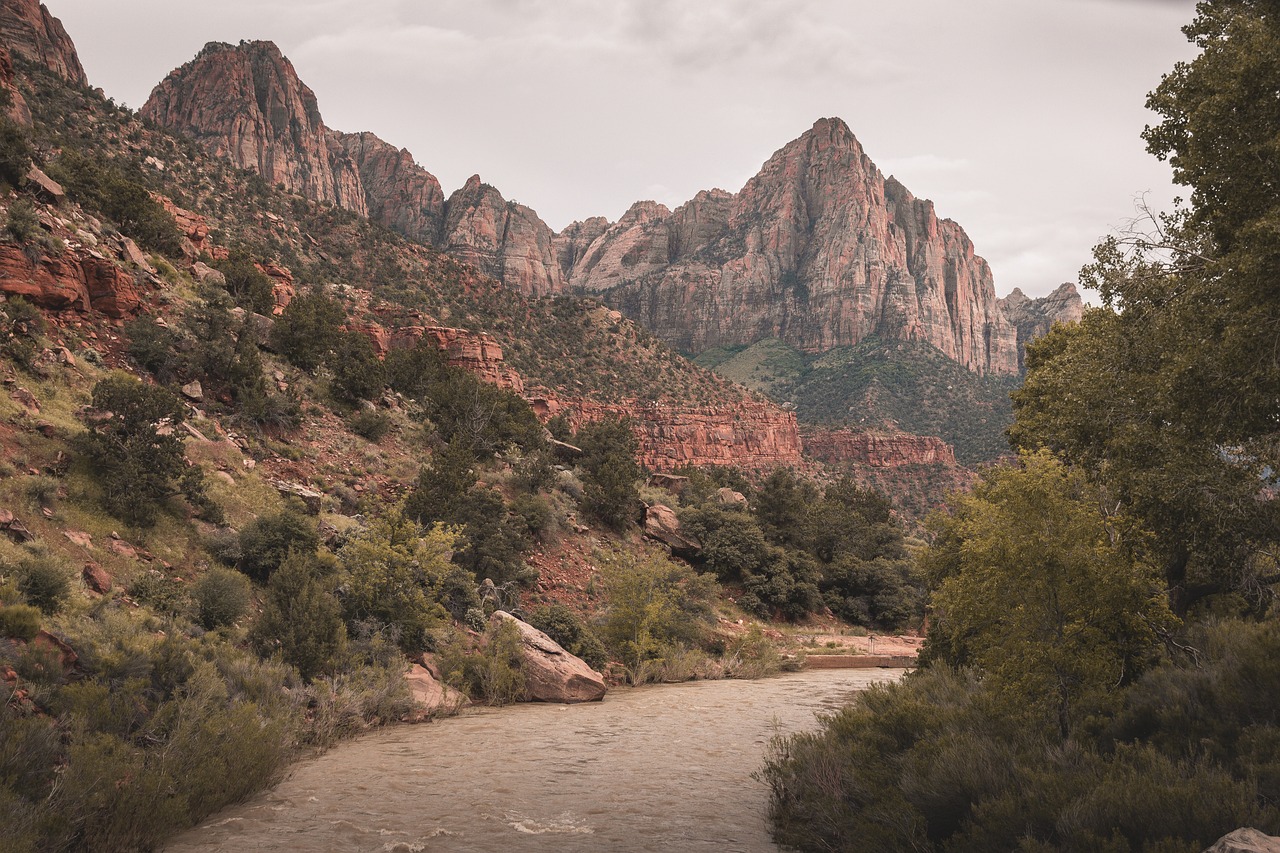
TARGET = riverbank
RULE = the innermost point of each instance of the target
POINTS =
(656, 767)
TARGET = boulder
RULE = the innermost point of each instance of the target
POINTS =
(431, 697)
(193, 390)
(45, 187)
(728, 497)
(551, 673)
(309, 497)
(1246, 841)
(96, 578)
(673, 483)
(661, 523)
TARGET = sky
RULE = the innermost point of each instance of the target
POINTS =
(1020, 119)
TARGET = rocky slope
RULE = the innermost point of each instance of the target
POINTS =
(32, 33)
(1034, 318)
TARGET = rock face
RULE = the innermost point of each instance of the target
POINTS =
(551, 673)
(1034, 318)
(476, 352)
(18, 110)
(1246, 841)
(245, 102)
(399, 193)
(661, 524)
(73, 280)
(751, 434)
(31, 32)
(836, 447)
(819, 250)
(503, 239)
(431, 697)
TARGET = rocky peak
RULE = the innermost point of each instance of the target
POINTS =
(1035, 317)
(503, 239)
(818, 250)
(246, 103)
(400, 194)
(32, 33)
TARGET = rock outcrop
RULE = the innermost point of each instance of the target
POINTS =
(431, 696)
(552, 674)
(750, 434)
(819, 250)
(399, 193)
(17, 111)
(662, 525)
(77, 280)
(842, 446)
(32, 33)
(501, 238)
(1033, 318)
(246, 103)
(476, 352)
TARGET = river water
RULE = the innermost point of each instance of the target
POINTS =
(666, 768)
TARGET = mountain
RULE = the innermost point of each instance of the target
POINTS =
(1034, 318)
(818, 250)
(30, 32)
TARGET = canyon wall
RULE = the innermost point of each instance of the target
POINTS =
(1033, 318)
(32, 33)
(845, 447)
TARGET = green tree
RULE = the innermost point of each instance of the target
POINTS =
(308, 329)
(1042, 591)
(266, 541)
(134, 448)
(357, 374)
(610, 471)
(248, 285)
(301, 618)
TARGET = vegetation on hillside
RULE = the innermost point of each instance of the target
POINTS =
(1101, 663)
(880, 385)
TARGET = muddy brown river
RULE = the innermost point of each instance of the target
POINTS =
(665, 768)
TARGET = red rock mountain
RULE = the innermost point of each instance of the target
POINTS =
(1035, 317)
(819, 250)
(32, 33)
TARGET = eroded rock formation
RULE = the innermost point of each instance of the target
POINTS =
(246, 103)
(17, 110)
(842, 446)
(819, 250)
(73, 280)
(502, 238)
(399, 193)
(31, 32)
(750, 434)
(1034, 318)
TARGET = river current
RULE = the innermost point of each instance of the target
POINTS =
(665, 768)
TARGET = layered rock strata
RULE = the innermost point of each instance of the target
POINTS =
(842, 446)
(503, 239)
(17, 111)
(74, 280)
(32, 33)
(246, 103)
(399, 193)
(819, 250)
(750, 434)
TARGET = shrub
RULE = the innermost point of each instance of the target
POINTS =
(221, 597)
(268, 539)
(493, 674)
(249, 286)
(20, 621)
(21, 326)
(357, 372)
(153, 346)
(136, 453)
(15, 152)
(308, 329)
(370, 424)
(301, 618)
(45, 581)
(610, 472)
(162, 594)
(116, 193)
(23, 225)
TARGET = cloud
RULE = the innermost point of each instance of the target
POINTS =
(924, 163)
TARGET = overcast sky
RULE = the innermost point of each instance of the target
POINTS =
(1019, 118)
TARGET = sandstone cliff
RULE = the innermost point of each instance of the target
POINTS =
(819, 250)
(246, 103)
(399, 193)
(749, 434)
(843, 447)
(503, 239)
(17, 110)
(32, 33)
(1035, 317)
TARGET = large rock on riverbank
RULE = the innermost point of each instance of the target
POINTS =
(551, 673)
(1246, 841)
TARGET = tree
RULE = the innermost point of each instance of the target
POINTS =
(610, 471)
(134, 448)
(308, 329)
(1036, 586)
(266, 541)
(248, 285)
(301, 619)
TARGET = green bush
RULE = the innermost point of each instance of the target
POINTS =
(221, 597)
(19, 621)
(610, 472)
(268, 539)
(493, 674)
(370, 424)
(301, 618)
(249, 286)
(45, 581)
(152, 346)
(15, 152)
(21, 327)
(23, 225)
(162, 594)
(114, 191)
(357, 374)
(308, 329)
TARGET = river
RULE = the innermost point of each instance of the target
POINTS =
(666, 768)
